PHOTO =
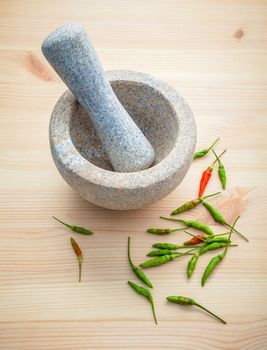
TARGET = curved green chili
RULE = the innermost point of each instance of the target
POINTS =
(221, 171)
(191, 204)
(202, 153)
(192, 264)
(161, 252)
(168, 246)
(146, 293)
(219, 218)
(163, 231)
(139, 273)
(188, 301)
(163, 259)
(215, 261)
(78, 229)
(192, 223)
(211, 266)
(217, 239)
(212, 246)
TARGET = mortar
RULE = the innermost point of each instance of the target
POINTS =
(163, 116)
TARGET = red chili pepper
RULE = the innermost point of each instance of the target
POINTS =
(206, 176)
(195, 240)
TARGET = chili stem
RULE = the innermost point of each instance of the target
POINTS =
(222, 234)
(180, 228)
(239, 233)
(153, 311)
(69, 226)
(189, 251)
(129, 255)
(80, 271)
(230, 234)
(210, 195)
(172, 219)
(211, 313)
(218, 158)
(214, 143)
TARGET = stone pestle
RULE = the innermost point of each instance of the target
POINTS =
(73, 57)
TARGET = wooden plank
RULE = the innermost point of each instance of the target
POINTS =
(214, 53)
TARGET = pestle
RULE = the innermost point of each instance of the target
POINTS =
(73, 57)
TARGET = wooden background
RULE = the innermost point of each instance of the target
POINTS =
(215, 54)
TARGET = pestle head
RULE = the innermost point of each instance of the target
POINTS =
(73, 57)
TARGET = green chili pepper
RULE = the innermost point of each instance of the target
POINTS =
(188, 301)
(79, 255)
(220, 219)
(215, 261)
(161, 252)
(221, 171)
(163, 231)
(202, 153)
(160, 260)
(77, 229)
(191, 204)
(211, 266)
(212, 246)
(139, 273)
(195, 224)
(163, 259)
(217, 239)
(146, 293)
(192, 264)
(168, 246)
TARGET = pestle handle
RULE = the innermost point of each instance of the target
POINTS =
(73, 57)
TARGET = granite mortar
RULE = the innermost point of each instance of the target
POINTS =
(163, 116)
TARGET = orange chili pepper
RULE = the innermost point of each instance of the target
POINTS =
(79, 255)
(196, 240)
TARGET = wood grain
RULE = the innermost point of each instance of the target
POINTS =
(214, 53)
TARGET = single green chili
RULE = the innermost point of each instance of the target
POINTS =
(195, 224)
(168, 246)
(212, 246)
(215, 261)
(219, 218)
(161, 252)
(79, 255)
(139, 273)
(188, 301)
(77, 229)
(202, 153)
(163, 231)
(221, 171)
(192, 264)
(146, 293)
(163, 259)
(191, 204)
(217, 239)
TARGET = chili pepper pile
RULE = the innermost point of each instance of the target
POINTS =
(199, 244)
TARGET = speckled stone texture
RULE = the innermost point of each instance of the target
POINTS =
(73, 57)
(163, 116)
